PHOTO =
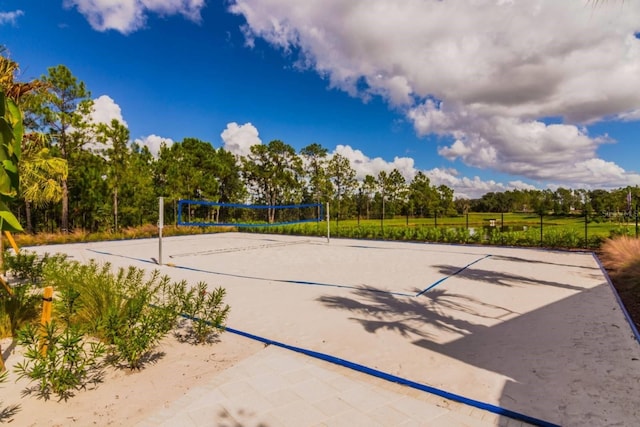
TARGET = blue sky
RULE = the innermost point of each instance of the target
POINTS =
(480, 95)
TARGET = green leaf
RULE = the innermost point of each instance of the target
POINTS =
(8, 221)
(5, 183)
(10, 166)
(6, 137)
(18, 128)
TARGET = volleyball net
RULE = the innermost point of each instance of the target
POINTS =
(205, 213)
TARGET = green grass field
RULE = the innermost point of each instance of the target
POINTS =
(518, 230)
(511, 229)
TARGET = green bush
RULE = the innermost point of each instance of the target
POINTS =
(133, 315)
(27, 266)
(67, 364)
(18, 309)
(205, 310)
(126, 311)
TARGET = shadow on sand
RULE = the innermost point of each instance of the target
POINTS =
(570, 362)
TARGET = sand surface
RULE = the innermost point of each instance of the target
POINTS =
(126, 397)
(536, 332)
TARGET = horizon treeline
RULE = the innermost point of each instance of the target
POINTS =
(76, 174)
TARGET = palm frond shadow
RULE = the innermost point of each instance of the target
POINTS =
(501, 278)
(8, 412)
(533, 261)
(409, 315)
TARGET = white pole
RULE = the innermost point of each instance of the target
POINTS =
(160, 226)
(328, 225)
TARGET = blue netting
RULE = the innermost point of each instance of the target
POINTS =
(204, 213)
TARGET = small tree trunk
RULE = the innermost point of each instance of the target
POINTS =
(65, 207)
(27, 213)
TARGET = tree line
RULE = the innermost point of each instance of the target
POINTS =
(77, 174)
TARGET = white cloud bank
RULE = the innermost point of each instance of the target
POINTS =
(238, 139)
(127, 16)
(153, 143)
(105, 110)
(10, 17)
(470, 188)
(484, 73)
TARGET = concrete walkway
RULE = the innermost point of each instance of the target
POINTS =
(278, 387)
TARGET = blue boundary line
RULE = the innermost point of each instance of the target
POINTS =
(295, 282)
(399, 380)
(620, 303)
(370, 371)
(303, 282)
(451, 275)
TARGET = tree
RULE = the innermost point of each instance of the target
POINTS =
(422, 194)
(115, 137)
(39, 170)
(41, 175)
(272, 173)
(227, 169)
(383, 185)
(138, 201)
(315, 162)
(89, 196)
(446, 199)
(368, 190)
(396, 190)
(64, 111)
(462, 205)
(343, 178)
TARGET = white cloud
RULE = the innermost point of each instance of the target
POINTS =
(464, 187)
(364, 165)
(10, 17)
(105, 109)
(484, 73)
(127, 16)
(239, 138)
(153, 142)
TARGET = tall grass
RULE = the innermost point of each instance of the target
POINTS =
(621, 256)
(82, 236)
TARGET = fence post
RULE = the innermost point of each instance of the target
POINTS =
(586, 230)
(160, 227)
(328, 224)
(47, 300)
(541, 215)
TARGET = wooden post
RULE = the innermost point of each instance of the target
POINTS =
(6, 286)
(47, 300)
(11, 241)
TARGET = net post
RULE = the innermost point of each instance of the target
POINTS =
(328, 225)
(160, 226)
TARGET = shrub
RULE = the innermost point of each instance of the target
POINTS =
(622, 257)
(27, 266)
(206, 311)
(135, 316)
(18, 309)
(67, 364)
(127, 311)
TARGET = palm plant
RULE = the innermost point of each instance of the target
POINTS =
(40, 172)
